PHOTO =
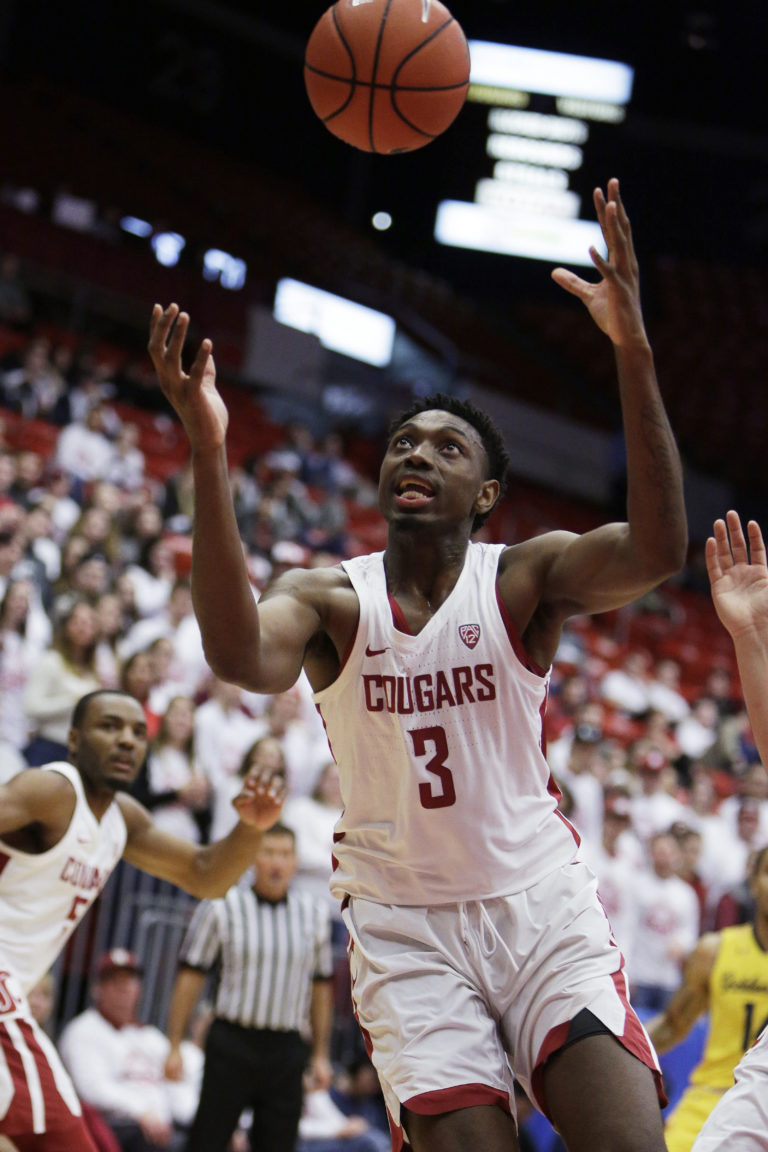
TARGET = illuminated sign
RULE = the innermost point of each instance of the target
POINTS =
(538, 125)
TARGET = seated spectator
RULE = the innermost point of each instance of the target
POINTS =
(737, 905)
(34, 387)
(136, 677)
(111, 624)
(28, 482)
(223, 733)
(689, 841)
(58, 679)
(153, 577)
(16, 658)
(126, 468)
(589, 713)
(323, 1127)
(563, 704)
(582, 773)
(60, 498)
(117, 1063)
(187, 670)
(11, 546)
(313, 819)
(144, 525)
(304, 744)
(752, 785)
(730, 865)
(614, 859)
(626, 687)
(654, 808)
(178, 793)
(84, 450)
(664, 692)
(357, 1090)
(667, 927)
(697, 732)
(40, 546)
(264, 755)
(734, 749)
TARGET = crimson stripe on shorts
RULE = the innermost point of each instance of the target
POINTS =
(635, 1039)
(457, 1096)
(52, 1101)
(4, 858)
(18, 1118)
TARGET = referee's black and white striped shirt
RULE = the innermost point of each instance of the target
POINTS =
(269, 954)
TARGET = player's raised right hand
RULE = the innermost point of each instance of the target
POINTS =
(193, 394)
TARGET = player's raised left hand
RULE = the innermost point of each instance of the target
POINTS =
(614, 302)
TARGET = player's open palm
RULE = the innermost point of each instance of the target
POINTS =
(260, 800)
(738, 575)
(193, 394)
(614, 302)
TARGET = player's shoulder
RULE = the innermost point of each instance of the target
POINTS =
(545, 545)
(705, 953)
(49, 784)
(308, 583)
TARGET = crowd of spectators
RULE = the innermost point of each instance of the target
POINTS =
(659, 775)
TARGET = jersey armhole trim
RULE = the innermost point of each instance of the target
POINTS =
(514, 638)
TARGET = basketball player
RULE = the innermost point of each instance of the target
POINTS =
(726, 976)
(738, 576)
(63, 829)
(476, 937)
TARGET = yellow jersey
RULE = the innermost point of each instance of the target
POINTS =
(738, 1006)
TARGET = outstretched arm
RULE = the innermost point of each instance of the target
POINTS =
(212, 869)
(260, 648)
(616, 564)
(738, 576)
(690, 1001)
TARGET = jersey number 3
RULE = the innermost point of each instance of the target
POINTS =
(433, 740)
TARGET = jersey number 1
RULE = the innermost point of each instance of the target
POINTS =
(426, 740)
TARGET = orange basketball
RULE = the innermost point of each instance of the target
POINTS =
(387, 75)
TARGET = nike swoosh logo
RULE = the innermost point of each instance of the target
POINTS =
(374, 651)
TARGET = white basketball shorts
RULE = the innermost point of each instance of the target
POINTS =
(454, 999)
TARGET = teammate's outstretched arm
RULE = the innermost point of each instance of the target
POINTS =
(260, 648)
(619, 562)
(738, 577)
(209, 870)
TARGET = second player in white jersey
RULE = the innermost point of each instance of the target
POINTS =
(44, 896)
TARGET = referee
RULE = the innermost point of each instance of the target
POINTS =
(271, 948)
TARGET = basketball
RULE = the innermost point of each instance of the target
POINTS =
(387, 76)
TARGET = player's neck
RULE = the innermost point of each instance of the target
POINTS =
(422, 569)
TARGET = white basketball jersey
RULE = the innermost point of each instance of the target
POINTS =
(438, 739)
(43, 896)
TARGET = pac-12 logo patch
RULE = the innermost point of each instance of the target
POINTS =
(470, 634)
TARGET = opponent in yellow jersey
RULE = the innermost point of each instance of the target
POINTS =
(727, 976)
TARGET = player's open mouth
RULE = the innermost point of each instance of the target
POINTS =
(123, 765)
(413, 493)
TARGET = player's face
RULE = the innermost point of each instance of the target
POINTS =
(111, 743)
(759, 885)
(435, 468)
(275, 866)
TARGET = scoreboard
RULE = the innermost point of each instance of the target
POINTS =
(539, 110)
